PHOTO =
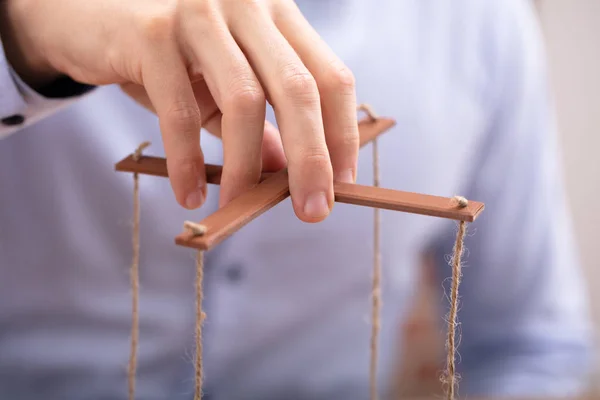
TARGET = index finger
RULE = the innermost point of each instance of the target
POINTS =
(169, 89)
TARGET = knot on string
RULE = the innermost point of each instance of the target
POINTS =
(368, 110)
(137, 154)
(194, 228)
(461, 201)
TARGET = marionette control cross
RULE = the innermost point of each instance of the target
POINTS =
(273, 188)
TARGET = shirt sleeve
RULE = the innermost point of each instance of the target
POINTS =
(524, 320)
(20, 105)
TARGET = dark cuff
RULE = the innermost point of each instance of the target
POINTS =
(64, 87)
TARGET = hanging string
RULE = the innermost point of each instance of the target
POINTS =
(198, 230)
(451, 379)
(134, 276)
(200, 316)
(376, 293)
(376, 285)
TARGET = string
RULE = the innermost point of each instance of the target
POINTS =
(451, 379)
(134, 276)
(198, 230)
(200, 316)
(368, 109)
(376, 293)
(376, 285)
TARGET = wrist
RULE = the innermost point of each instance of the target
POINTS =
(22, 47)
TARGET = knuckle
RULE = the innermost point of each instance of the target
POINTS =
(347, 141)
(246, 4)
(298, 83)
(185, 119)
(158, 25)
(339, 78)
(187, 166)
(251, 3)
(246, 96)
(315, 157)
(348, 136)
(202, 7)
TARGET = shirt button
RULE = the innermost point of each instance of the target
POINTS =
(234, 273)
(13, 120)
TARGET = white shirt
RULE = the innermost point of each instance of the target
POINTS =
(288, 303)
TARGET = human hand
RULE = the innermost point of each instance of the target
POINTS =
(211, 63)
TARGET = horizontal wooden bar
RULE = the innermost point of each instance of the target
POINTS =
(415, 203)
(351, 194)
(369, 129)
(238, 212)
(250, 205)
(274, 188)
(157, 166)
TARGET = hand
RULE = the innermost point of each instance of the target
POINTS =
(211, 63)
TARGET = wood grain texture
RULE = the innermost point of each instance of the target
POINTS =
(415, 203)
(238, 212)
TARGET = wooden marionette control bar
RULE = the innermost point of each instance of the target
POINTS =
(274, 188)
(240, 211)
(414, 203)
(157, 166)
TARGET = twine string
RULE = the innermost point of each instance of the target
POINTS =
(451, 379)
(376, 289)
(198, 230)
(376, 283)
(134, 276)
(368, 109)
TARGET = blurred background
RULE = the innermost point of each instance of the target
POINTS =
(572, 33)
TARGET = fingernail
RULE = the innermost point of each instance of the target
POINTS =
(345, 176)
(196, 198)
(316, 205)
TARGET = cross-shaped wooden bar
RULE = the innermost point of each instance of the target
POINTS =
(273, 188)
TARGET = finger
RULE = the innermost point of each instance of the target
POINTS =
(170, 91)
(206, 104)
(241, 99)
(273, 157)
(295, 97)
(336, 87)
(139, 94)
